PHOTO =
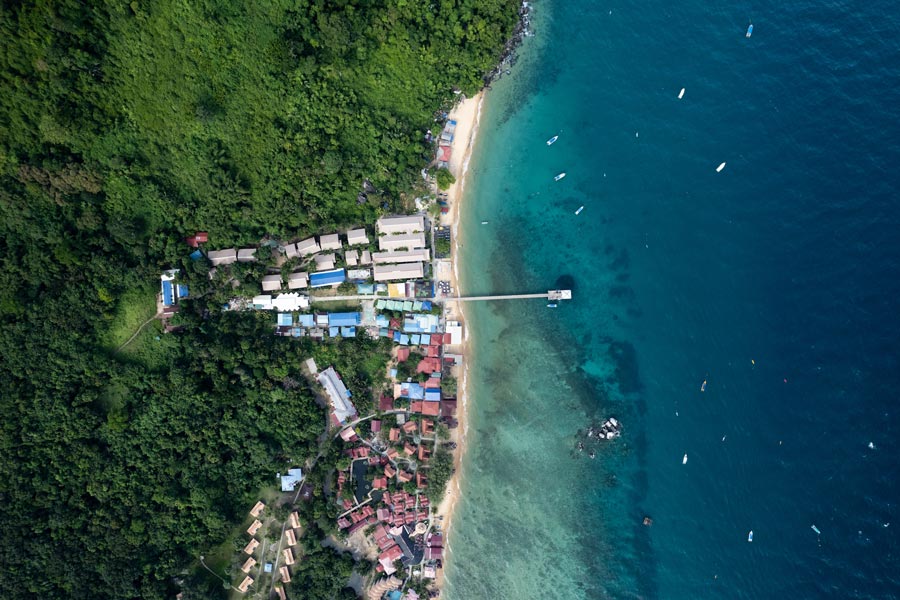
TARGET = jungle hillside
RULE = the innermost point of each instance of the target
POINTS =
(125, 126)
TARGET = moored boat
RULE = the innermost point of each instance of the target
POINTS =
(552, 140)
(558, 177)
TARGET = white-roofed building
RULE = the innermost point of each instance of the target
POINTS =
(290, 481)
(338, 396)
(298, 280)
(222, 257)
(329, 242)
(246, 255)
(454, 328)
(402, 224)
(401, 271)
(262, 302)
(356, 237)
(307, 247)
(290, 302)
(409, 241)
(324, 262)
(351, 257)
(290, 251)
(365, 258)
(271, 283)
(404, 256)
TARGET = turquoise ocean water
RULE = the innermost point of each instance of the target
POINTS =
(776, 280)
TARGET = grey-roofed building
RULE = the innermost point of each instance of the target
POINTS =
(338, 395)
(400, 271)
(324, 262)
(405, 256)
(365, 258)
(298, 280)
(410, 241)
(329, 242)
(246, 255)
(271, 283)
(222, 257)
(307, 247)
(290, 251)
(356, 237)
(351, 257)
(402, 224)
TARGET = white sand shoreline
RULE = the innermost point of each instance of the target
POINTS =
(467, 115)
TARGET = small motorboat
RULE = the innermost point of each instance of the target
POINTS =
(552, 305)
(484, 222)
(580, 208)
(684, 460)
(552, 140)
(816, 529)
(749, 33)
(681, 94)
(558, 177)
(750, 536)
(720, 167)
(703, 386)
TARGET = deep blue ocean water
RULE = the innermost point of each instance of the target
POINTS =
(776, 280)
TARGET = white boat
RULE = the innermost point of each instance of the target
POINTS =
(552, 140)
(681, 94)
(750, 536)
(720, 167)
(580, 208)
(484, 222)
(816, 529)
(750, 30)
(684, 460)
(552, 305)
(558, 177)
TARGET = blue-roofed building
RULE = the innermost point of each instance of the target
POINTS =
(415, 340)
(382, 321)
(407, 306)
(182, 291)
(348, 332)
(404, 339)
(413, 391)
(365, 288)
(426, 305)
(334, 332)
(349, 319)
(325, 278)
(397, 336)
(433, 395)
(383, 332)
(306, 320)
(417, 306)
(168, 293)
(285, 320)
(380, 304)
(196, 255)
(296, 332)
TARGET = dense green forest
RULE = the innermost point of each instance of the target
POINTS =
(123, 127)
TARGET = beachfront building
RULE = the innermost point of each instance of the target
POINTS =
(308, 247)
(342, 409)
(329, 242)
(357, 237)
(271, 283)
(404, 256)
(398, 225)
(400, 241)
(298, 280)
(402, 271)
(455, 330)
(222, 257)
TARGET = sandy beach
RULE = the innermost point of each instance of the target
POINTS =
(466, 114)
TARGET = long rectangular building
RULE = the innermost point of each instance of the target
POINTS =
(402, 224)
(338, 395)
(405, 256)
(410, 241)
(401, 271)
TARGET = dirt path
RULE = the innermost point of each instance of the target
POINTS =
(139, 329)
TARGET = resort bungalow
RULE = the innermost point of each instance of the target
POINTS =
(338, 395)
(257, 509)
(449, 131)
(222, 257)
(298, 280)
(357, 237)
(250, 548)
(443, 156)
(290, 251)
(285, 574)
(271, 283)
(254, 527)
(245, 584)
(294, 520)
(248, 564)
(404, 256)
(401, 271)
(324, 262)
(410, 241)
(246, 255)
(280, 591)
(351, 257)
(329, 242)
(307, 247)
(404, 224)
(365, 258)
(288, 556)
(289, 537)
(326, 278)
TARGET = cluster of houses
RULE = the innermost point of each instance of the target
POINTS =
(291, 535)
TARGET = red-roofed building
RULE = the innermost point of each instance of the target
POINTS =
(428, 365)
(376, 425)
(433, 351)
(392, 453)
(431, 409)
(402, 353)
(386, 403)
(379, 483)
(415, 406)
(427, 427)
(448, 339)
(404, 477)
(201, 237)
(394, 434)
(389, 471)
(409, 449)
(448, 407)
(421, 480)
(437, 339)
(424, 453)
(410, 427)
(347, 504)
(395, 324)
(391, 554)
(433, 383)
(344, 523)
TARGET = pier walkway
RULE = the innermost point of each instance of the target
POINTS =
(552, 295)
